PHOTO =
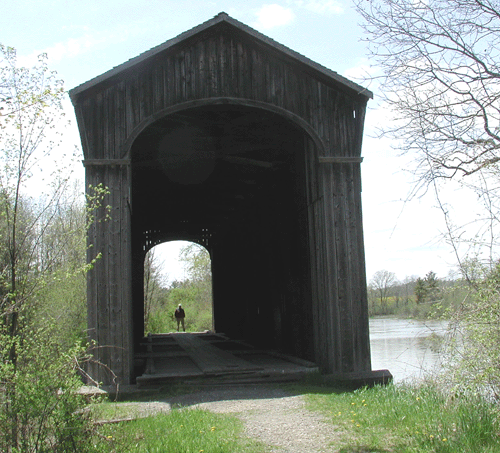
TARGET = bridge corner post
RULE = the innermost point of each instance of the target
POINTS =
(109, 282)
(343, 344)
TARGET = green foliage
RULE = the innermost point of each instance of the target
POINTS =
(96, 210)
(62, 306)
(420, 291)
(181, 431)
(60, 301)
(161, 321)
(41, 410)
(432, 287)
(476, 350)
(410, 418)
(427, 289)
(197, 263)
(155, 296)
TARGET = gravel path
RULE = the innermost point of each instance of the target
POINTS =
(270, 415)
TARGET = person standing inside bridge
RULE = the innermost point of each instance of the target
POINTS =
(180, 314)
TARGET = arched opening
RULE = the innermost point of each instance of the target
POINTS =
(177, 273)
(233, 179)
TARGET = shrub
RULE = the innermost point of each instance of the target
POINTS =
(475, 351)
(41, 409)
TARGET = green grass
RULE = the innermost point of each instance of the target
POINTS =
(400, 419)
(179, 431)
(409, 419)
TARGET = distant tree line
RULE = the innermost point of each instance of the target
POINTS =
(414, 297)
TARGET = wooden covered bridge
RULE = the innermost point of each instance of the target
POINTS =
(223, 137)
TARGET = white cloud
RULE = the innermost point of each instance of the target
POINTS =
(271, 16)
(73, 47)
(86, 42)
(65, 49)
(362, 72)
(322, 6)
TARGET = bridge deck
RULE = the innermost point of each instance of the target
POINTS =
(175, 356)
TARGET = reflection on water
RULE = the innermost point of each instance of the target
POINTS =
(406, 347)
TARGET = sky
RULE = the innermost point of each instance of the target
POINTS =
(85, 39)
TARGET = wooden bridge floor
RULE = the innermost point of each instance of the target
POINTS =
(213, 357)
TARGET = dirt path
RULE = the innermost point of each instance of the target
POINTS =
(270, 415)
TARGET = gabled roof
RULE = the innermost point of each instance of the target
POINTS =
(220, 18)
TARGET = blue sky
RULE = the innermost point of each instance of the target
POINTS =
(85, 39)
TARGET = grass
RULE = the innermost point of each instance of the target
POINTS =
(179, 431)
(409, 419)
(394, 418)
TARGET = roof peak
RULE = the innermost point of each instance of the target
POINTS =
(219, 18)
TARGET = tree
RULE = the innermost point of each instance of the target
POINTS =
(61, 299)
(40, 410)
(30, 103)
(197, 262)
(440, 63)
(382, 281)
(409, 283)
(439, 69)
(420, 291)
(441, 78)
(154, 284)
(432, 285)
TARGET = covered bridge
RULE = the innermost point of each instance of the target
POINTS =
(223, 137)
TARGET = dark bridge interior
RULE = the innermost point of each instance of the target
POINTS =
(231, 178)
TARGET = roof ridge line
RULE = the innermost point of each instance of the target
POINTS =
(221, 17)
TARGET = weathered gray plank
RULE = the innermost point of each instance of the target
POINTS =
(210, 359)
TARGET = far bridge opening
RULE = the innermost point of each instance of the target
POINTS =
(177, 273)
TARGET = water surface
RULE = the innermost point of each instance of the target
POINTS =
(407, 348)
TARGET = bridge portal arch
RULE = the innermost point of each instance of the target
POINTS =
(231, 177)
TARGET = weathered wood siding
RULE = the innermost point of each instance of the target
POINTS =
(220, 66)
(109, 289)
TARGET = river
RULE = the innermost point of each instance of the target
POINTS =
(407, 348)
